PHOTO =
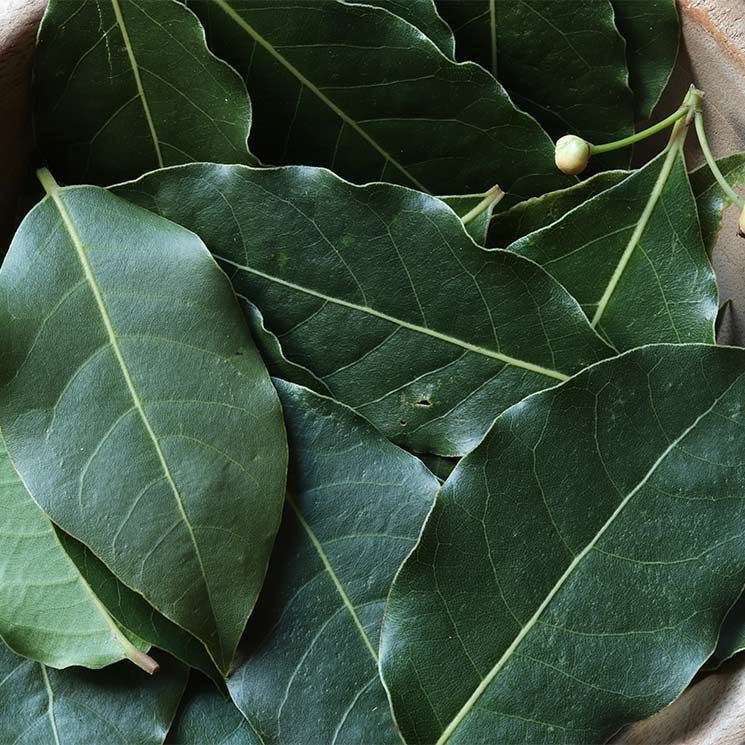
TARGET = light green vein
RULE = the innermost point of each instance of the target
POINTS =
(332, 574)
(138, 79)
(50, 706)
(504, 659)
(514, 361)
(641, 226)
(251, 31)
(53, 190)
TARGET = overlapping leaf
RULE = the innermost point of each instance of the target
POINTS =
(652, 34)
(533, 214)
(118, 706)
(380, 293)
(356, 89)
(133, 613)
(561, 60)
(125, 86)
(711, 199)
(356, 503)
(137, 410)
(634, 259)
(47, 610)
(547, 603)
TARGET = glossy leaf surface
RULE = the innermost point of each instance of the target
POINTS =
(589, 547)
(139, 413)
(47, 610)
(423, 15)
(634, 259)
(711, 199)
(206, 717)
(380, 293)
(117, 706)
(134, 613)
(652, 34)
(539, 212)
(356, 89)
(125, 86)
(356, 504)
(561, 60)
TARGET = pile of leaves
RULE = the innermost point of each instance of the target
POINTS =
(333, 459)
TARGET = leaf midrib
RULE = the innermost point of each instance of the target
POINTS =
(639, 230)
(526, 629)
(50, 704)
(348, 120)
(138, 79)
(328, 567)
(514, 361)
(54, 193)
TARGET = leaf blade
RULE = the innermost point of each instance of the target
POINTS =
(121, 71)
(557, 597)
(308, 667)
(150, 346)
(360, 306)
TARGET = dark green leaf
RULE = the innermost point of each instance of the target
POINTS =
(125, 86)
(117, 706)
(423, 15)
(710, 198)
(357, 89)
(206, 717)
(561, 60)
(577, 565)
(133, 612)
(47, 610)
(356, 504)
(380, 293)
(633, 258)
(536, 213)
(137, 410)
(652, 34)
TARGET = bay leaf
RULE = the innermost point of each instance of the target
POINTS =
(356, 503)
(136, 88)
(589, 547)
(206, 717)
(711, 199)
(135, 614)
(562, 61)
(535, 213)
(356, 89)
(423, 15)
(731, 636)
(139, 414)
(117, 706)
(380, 293)
(633, 258)
(652, 32)
(48, 611)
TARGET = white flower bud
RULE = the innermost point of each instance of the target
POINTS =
(572, 154)
(742, 224)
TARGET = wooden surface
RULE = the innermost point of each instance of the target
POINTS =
(712, 711)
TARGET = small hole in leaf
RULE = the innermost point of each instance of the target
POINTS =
(403, 422)
(423, 402)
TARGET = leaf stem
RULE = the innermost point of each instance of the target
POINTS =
(491, 198)
(639, 136)
(711, 162)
